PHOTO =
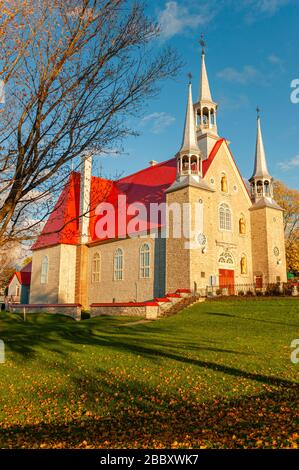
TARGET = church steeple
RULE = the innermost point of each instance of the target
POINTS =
(189, 158)
(205, 110)
(189, 136)
(204, 86)
(261, 182)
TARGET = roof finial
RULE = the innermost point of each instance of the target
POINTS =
(190, 76)
(202, 43)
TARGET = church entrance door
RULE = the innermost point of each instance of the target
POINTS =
(259, 282)
(227, 280)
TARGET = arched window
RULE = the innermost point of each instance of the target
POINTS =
(194, 164)
(185, 164)
(198, 118)
(212, 117)
(242, 225)
(145, 261)
(118, 265)
(96, 268)
(243, 264)
(224, 187)
(225, 217)
(267, 188)
(226, 258)
(205, 117)
(44, 270)
(259, 186)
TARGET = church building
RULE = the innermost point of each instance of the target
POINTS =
(240, 241)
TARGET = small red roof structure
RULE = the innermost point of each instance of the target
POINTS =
(24, 278)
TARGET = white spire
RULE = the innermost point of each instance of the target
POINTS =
(204, 87)
(260, 167)
(189, 143)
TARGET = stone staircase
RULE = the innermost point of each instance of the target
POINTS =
(173, 303)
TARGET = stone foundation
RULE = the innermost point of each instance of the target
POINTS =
(149, 310)
(69, 310)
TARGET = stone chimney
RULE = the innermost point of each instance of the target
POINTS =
(85, 182)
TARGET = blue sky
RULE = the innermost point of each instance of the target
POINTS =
(252, 58)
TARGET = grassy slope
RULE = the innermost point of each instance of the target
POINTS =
(217, 375)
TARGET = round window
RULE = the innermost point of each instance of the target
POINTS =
(201, 239)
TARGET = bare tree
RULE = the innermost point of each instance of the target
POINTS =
(86, 69)
(9, 256)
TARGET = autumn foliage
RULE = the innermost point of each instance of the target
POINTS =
(288, 199)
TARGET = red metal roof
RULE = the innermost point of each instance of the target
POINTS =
(62, 226)
(146, 186)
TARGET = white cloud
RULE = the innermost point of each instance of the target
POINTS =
(243, 76)
(293, 163)
(275, 60)
(179, 19)
(270, 6)
(233, 103)
(263, 8)
(158, 122)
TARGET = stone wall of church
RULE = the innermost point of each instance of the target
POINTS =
(219, 241)
(132, 287)
(177, 256)
(196, 267)
(268, 244)
(60, 286)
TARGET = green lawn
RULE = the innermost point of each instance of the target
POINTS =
(217, 375)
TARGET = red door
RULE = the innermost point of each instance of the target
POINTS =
(259, 282)
(227, 280)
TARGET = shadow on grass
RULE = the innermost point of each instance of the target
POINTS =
(141, 416)
(65, 337)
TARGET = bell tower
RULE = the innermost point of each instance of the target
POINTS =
(267, 225)
(185, 200)
(189, 158)
(205, 111)
(261, 183)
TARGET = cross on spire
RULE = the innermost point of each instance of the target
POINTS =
(202, 43)
(190, 76)
(258, 111)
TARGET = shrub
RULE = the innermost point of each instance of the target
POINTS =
(85, 315)
(273, 290)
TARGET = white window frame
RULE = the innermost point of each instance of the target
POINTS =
(145, 261)
(225, 223)
(44, 274)
(96, 268)
(118, 265)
